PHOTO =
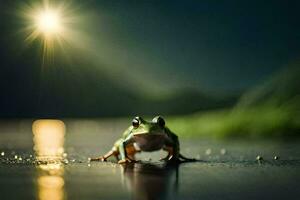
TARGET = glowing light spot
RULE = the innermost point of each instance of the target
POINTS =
(56, 28)
(223, 151)
(48, 139)
(48, 22)
(208, 151)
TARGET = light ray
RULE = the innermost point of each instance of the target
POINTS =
(48, 23)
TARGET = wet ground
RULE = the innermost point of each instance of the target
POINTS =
(225, 170)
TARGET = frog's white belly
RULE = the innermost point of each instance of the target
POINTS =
(149, 142)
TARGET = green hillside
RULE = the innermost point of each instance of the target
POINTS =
(280, 90)
(268, 110)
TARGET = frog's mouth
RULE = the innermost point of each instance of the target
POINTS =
(148, 134)
(141, 133)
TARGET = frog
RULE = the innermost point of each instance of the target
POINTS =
(146, 136)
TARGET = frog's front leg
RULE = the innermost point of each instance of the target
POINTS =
(168, 149)
(104, 158)
(173, 153)
(113, 152)
(172, 147)
(126, 150)
(131, 150)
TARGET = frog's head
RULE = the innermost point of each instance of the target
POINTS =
(143, 127)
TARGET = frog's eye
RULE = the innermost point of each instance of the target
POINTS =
(135, 122)
(159, 120)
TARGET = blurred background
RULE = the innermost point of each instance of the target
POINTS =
(216, 67)
(223, 74)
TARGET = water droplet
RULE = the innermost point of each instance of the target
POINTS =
(208, 151)
(89, 165)
(2, 153)
(20, 158)
(223, 151)
(276, 157)
(65, 154)
(16, 157)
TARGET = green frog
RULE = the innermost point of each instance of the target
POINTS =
(146, 136)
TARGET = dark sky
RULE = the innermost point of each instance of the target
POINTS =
(217, 46)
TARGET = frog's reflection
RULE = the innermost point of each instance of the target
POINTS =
(49, 148)
(151, 181)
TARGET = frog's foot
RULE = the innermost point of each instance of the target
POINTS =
(170, 159)
(165, 158)
(126, 160)
(106, 156)
(173, 161)
(102, 159)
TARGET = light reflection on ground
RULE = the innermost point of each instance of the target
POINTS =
(48, 140)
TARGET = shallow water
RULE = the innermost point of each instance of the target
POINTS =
(226, 170)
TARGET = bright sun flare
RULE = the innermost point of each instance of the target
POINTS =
(48, 22)
(54, 26)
